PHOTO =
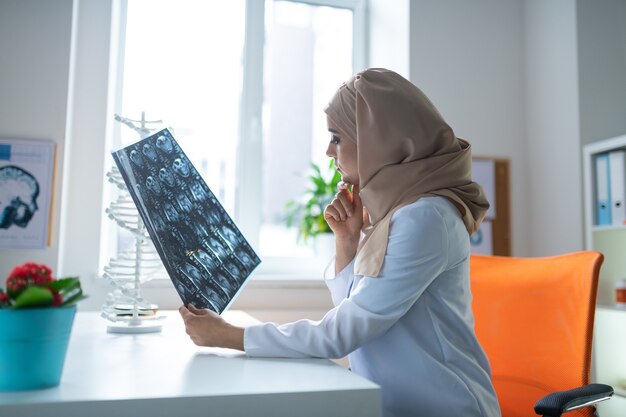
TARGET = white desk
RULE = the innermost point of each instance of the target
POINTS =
(165, 374)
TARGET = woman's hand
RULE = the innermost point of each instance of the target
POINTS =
(340, 213)
(206, 328)
(344, 216)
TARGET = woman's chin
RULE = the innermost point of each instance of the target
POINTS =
(348, 180)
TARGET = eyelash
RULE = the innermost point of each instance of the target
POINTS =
(334, 139)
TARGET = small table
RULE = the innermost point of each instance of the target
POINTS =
(165, 374)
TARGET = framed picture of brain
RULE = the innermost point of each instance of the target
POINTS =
(204, 253)
(26, 188)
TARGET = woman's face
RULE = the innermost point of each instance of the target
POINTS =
(343, 150)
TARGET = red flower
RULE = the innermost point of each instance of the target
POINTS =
(32, 285)
(16, 283)
(30, 273)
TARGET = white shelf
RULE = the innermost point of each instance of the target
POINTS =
(589, 153)
(609, 365)
(611, 307)
(607, 145)
(607, 228)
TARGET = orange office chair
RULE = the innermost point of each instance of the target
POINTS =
(534, 318)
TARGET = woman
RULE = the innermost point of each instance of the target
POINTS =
(400, 280)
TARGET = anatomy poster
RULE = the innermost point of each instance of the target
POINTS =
(26, 184)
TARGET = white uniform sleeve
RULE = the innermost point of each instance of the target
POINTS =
(338, 284)
(416, 254)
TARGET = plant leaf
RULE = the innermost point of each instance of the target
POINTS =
(69, 289)
(316, 168)
(309, 213)
(73, 299)
(33, 297)
(64, 283)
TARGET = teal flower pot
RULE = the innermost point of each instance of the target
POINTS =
(33, 343)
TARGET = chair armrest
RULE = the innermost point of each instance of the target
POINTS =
(557, 403)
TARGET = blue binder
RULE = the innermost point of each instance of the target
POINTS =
(603, 190)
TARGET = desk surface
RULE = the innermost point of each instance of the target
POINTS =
(165, 374)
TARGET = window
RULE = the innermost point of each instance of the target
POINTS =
(242, 85)
(182, 64)
(308, 53)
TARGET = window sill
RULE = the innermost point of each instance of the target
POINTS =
(260, 292)
(260, 281)
(287, 288)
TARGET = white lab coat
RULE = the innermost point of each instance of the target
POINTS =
(410, 330)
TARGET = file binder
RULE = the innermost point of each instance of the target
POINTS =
(617, 187)
(603, 190)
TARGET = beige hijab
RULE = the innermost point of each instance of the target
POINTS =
(405, 150)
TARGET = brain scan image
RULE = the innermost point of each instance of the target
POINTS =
(234, 270)
(226, 285)
(243, 256)
(158, 222)
(164, 144)
(199, 228)
(184, 202)
(187, 279)
(181, 167)
(223, 242)
(203, 251)
(18, 197)
(153, 185)
(217, 248)
(149, 151)
(191, 271)
(199, 194)
(208, 263)
(136, 158)
(230, 235)
(210, 293)
(214, 217)
(170, 212)
(213, 302)
(166, 176)
(182, 289)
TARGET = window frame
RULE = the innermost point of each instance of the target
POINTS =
(249, 160)
(250, 141)
(93, 141)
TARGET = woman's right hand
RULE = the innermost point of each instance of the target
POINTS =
(344, 216)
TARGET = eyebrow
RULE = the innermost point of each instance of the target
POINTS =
(333, 131)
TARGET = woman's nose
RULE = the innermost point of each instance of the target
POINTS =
(330, 151)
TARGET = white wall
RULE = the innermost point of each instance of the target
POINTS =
(88, 151)
(505, 76)
(468, 58)
(554, 171)
(389, 35)
(602, 69)
(54, 80)
(35, 39)
(504, 73)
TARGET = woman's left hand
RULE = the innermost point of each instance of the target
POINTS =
(207, 328)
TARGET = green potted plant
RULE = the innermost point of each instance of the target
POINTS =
(36, 316)
(307, 211)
